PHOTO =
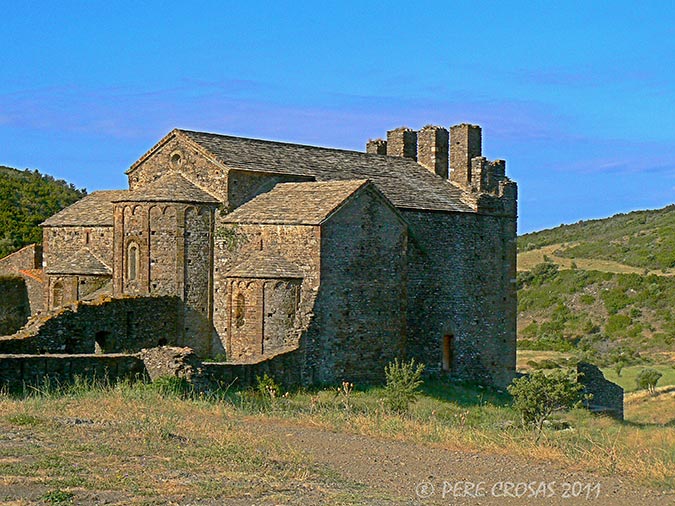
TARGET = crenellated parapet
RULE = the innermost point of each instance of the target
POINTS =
(455, 155)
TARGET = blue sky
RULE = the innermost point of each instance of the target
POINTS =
(578, 97)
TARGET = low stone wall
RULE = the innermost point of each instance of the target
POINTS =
(14, 304)
(607, 396)
(124, 325)
(285, 368)
(20, 371)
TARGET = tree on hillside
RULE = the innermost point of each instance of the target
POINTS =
(27, 198)
(647, 379)
(537, 396)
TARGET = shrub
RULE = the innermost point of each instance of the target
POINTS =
(647, 379)
(403, 382)
(537, 396)
(267, 387)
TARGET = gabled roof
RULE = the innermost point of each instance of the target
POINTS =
(402, 180)
(296, 203)
(94, 210)
(83, 262)
(171, 187)
(265, 264)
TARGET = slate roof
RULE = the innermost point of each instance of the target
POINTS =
(296, 203)
(267, 265)
(83, 262)
(94, 210)
(171, 187)
(402, 180)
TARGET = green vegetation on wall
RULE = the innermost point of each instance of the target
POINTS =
(27, 198)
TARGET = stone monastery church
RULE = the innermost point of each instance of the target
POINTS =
(346, 259)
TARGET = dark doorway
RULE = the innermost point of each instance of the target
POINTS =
(448, 352)
(102, 341)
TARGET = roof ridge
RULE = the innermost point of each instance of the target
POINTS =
(285, 143)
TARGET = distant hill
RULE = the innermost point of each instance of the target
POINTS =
(641, 239)
(26, 199)
(602, 289)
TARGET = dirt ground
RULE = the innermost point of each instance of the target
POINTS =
(373, 471)
(407, 473)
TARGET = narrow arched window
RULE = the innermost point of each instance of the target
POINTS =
(57, 294)
(239, 310)
(132, 261)
(448, 352)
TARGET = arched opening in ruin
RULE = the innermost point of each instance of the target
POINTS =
(57, 294)
(102, 341)
(162, 342)
(448, 351)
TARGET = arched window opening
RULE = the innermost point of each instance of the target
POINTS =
(57, 294)
(102, 339)
(132, 261)
(239, 310)
(448, 352)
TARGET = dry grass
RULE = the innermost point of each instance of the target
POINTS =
(137, 449)
(527, 260)
(134, 446)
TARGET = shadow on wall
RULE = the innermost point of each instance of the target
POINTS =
(124, 325)
(14, 304)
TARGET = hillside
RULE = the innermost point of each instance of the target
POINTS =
(641, 239)
(601, 289)
(26, 199)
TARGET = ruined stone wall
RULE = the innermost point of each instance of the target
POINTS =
(288, 369)
(606, 397)
(26, 264)
(21, 371)
(462, 294)
(113, 326)
(61, 291)
(299, 244)
(29, 257)
(14, 304)
(359, 323)
(63, 242)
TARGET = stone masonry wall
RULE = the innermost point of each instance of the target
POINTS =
(174, 258)
(607, 397)
(299, 244)
(462, 290)
(198, 279)
(359, 323)
(63, 242)
(14, 304)
(27, 264)
(20, 371)
(29, 257)
(113, 326)
(180, 156)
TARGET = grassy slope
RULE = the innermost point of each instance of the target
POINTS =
(26, 199)
(612, 296)
(642, 239)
